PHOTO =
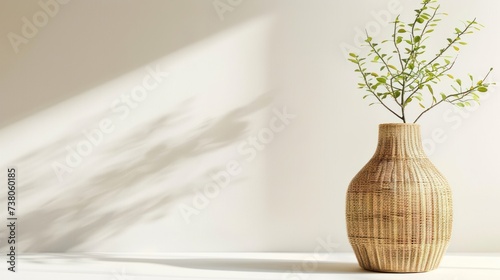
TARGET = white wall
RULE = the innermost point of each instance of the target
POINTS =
(228, 77)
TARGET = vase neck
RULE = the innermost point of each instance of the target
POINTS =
(399, 141)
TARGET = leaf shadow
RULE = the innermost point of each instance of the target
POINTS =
(131, 181)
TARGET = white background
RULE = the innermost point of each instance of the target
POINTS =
(227, 74)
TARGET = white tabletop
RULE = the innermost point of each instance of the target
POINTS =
(187, 266)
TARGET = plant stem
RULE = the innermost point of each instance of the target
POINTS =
(396, 45)
(451, 43)
(403, 118)
(462, 94)
(446, 69)
(379, 55)
(375, 94)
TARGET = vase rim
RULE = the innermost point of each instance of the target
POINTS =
(399, 124)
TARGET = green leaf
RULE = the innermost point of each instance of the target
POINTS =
(368, 39)
(374, 74)
(462, 43)
(430, 89)
(482, 89)
(443, 96)
(450, 76)
(456, 48)
(407, 101)
(399, 39)
(392, 67)
(420, 20)
(421, 105)
(381, 80)
(459, 82)
(416, 39)
(402, 30)
(352, 54)
(461, 105)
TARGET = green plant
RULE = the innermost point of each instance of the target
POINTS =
(406, 74)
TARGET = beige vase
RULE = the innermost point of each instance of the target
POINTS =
(399, 206)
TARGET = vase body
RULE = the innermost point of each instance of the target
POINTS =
(399, 206)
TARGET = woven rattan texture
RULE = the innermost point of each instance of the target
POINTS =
(399, 206)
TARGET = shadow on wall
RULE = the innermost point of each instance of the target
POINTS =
(133, 180)
(88, 43)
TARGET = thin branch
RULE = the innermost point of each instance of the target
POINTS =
(403, 101)
(373, 92)
(396, 45)
(378, 54)
(429, 21)
(446, 69)
(440, 54)
(422, 39)
(394, 87)
(459, 95)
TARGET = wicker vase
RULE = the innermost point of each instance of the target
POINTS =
(399, 206)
